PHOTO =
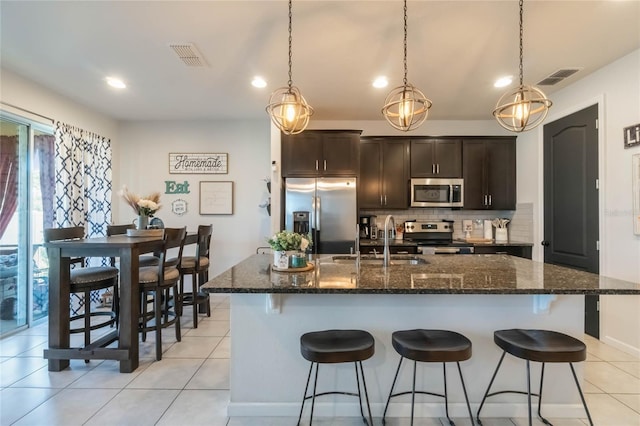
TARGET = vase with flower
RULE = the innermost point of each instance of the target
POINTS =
(144, 207)
(289, 249)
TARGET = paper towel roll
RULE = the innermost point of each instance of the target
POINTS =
(488, 230)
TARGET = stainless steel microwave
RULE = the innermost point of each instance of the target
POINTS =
(437, 192)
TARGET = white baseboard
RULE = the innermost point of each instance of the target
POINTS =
(425, 410)
(624, 347)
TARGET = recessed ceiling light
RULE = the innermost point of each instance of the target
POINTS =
(380, 82)
(503, 81)
(116, 82)
(258, 82)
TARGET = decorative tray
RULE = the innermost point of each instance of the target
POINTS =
(309, 267)
(145, 233)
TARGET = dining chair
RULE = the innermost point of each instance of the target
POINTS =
(161, 282)
(85, 280)
(198, 267)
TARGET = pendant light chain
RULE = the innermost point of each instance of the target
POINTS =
(288, 109)
(405, 43)
(521, 38)
(525, 107)
(291, 40)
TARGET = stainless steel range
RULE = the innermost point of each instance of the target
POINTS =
(435, 237)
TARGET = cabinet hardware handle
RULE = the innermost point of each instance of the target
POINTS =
(385, 199)
(316, 164)
(381, 199)
(325, 164)
(403, 252)
(490, 200)
(438, 168)
(433, 169)
(484, 202)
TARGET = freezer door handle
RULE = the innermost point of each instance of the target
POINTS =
(318, 210)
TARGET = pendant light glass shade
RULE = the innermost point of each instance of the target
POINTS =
(406, 107)
(522, 109)
(288, 109)
(525, 107)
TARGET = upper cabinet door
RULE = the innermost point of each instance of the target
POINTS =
(433, 157)
(340, 153)
(321, 153)
(489, 171)
(395, 174)
(370, 183)
(301, 154)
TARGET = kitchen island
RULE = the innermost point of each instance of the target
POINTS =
(471, 294)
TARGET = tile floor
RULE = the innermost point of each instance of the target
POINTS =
(190, 386)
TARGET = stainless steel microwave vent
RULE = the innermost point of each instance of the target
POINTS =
(189, 54)
(558, 76)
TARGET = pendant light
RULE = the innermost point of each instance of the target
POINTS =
(287, 107)
(406, 107)
(525, 107)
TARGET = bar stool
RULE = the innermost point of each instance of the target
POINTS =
(430, 346)
(84, 281)
(336, 346)
(541, 346)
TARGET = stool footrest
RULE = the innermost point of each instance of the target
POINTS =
(512, 391)
(331, 393)
(417, 392)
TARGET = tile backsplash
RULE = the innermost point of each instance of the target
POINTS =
(520, 228)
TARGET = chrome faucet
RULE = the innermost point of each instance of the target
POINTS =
(386, 255)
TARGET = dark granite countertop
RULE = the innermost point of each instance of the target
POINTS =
(441, 274)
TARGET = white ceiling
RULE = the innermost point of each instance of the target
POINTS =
(456, 50)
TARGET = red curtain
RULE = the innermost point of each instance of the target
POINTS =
(8, 180)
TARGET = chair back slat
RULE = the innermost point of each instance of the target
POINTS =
(118, 229)
(204, 241)
(57, 234)
(173, 238)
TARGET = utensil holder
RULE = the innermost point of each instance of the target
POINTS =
(502, 236)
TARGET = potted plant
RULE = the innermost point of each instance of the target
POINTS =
(285, 245)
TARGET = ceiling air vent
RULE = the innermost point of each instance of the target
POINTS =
(188, 53)
(558, 76)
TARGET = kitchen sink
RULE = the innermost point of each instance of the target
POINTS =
(395, 259)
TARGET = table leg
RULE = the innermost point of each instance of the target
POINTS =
(129, 307)
(59, 338)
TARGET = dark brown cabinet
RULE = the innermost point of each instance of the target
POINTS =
(524, 251)
(321, 153)
(384, 173)
(489, 172)
(436, 157)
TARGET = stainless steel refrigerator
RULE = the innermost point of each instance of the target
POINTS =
(326, 207)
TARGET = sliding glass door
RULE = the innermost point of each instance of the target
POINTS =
(26, 207)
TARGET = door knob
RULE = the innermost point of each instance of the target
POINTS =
(545, 243)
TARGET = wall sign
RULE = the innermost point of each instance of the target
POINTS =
(179, 207)
(173, 187)
(198, 163)
(216, 197)
(632, 136)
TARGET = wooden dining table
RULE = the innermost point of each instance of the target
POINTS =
(127, 250)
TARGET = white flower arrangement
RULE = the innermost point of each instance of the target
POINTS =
(287, 240)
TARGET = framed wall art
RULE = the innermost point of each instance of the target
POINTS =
(632, 136)
(635, 185)
(216, 197)
(198, 163)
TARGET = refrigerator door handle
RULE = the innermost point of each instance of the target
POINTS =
(318, 211)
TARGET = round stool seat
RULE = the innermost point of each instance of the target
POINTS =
(541, 345)
(333, 346)
(431, 345)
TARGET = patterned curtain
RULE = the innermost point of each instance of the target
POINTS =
(83, 176)
(8, 180)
